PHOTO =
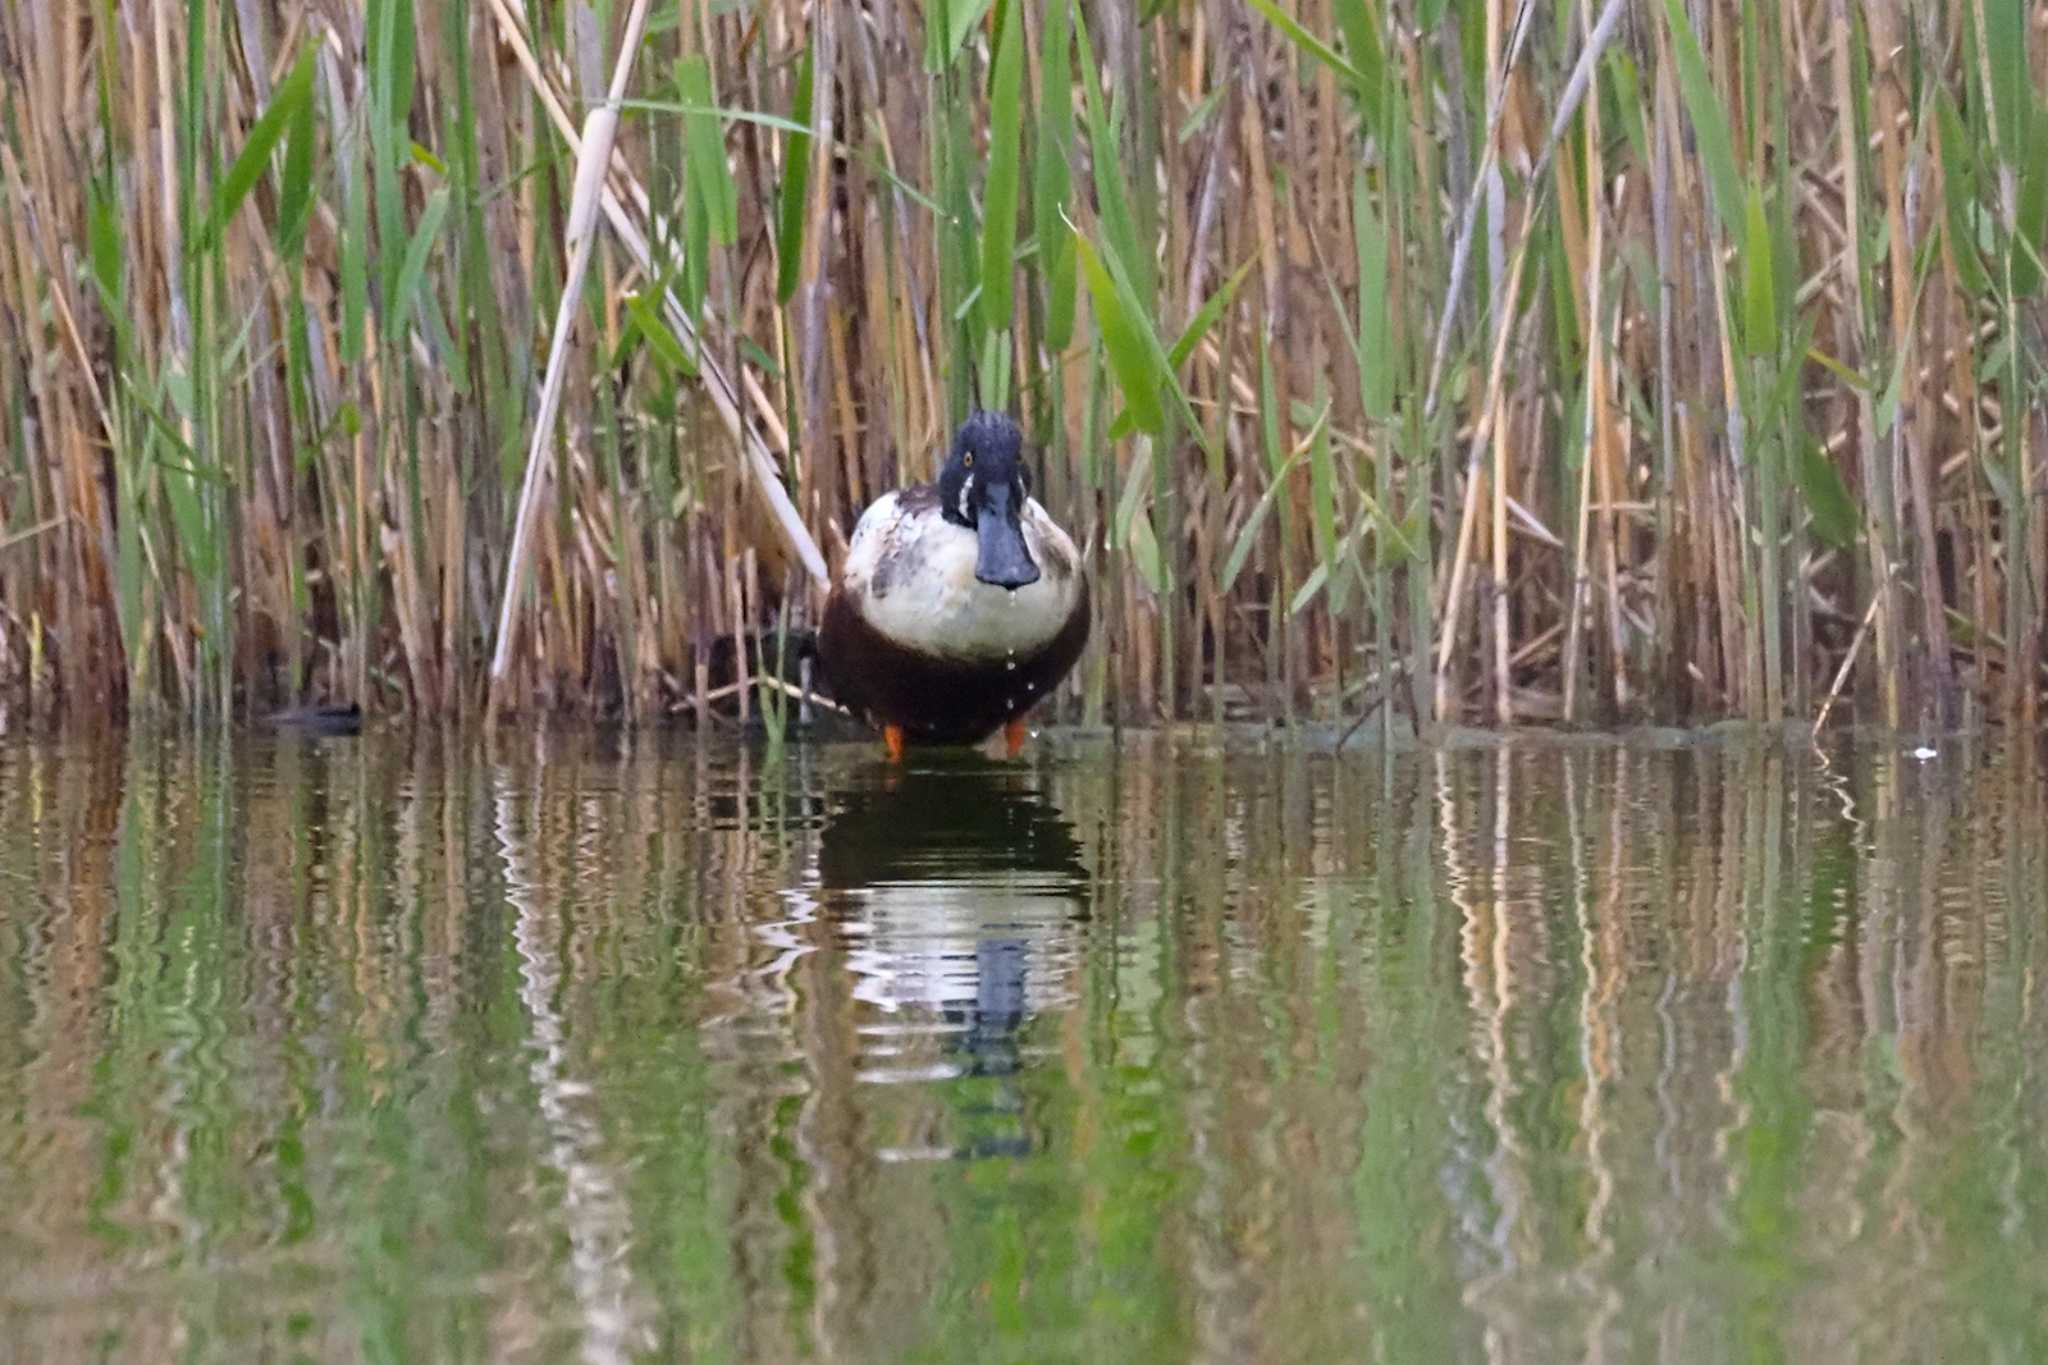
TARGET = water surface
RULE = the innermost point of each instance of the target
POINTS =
(597, 1048)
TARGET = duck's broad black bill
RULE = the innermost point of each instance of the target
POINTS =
(1003, 560)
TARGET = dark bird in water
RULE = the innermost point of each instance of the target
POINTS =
(322, 718)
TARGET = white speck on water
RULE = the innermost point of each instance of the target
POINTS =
(1010, 664)
(1923, 753)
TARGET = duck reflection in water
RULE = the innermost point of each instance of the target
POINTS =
(959, 888)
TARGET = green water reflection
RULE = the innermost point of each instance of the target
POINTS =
(593, 1048)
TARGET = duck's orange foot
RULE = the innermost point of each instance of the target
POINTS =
(1014, 732)
(892, 736)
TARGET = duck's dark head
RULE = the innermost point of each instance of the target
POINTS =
(983, 487)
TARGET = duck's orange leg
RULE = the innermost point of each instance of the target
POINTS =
(1014, 731)
(892, 736)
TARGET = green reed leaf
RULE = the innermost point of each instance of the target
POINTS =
(2030, 220)
(796, 182)
(1322, 488)
(1367, 57)
(1827, 496)
(1759, 295)
(1112, 194)
(415, 263)
(1709, 122)
(1005, 175)
(295, 189)
(292, 94)
(1053, 174)
(1144, 547)
(1375, 325)
(1199, 326)
(1128, 358)
(669, 352)
(104, 247)
(709, 173)
(355, 237)
(1248, 534)
(961, 18)
(2012, 86)
(1314, 47)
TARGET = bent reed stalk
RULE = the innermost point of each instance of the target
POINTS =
(1453, 360)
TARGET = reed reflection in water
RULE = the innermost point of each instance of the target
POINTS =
(597, 1048)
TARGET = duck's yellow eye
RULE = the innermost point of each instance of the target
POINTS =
(967, 460)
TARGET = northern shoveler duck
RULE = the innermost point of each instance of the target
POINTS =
(960, 603)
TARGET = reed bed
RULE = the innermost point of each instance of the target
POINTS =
(1451, 359)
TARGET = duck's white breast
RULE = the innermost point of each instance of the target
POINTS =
(911, 574)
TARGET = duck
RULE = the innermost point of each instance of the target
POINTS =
(959, 604)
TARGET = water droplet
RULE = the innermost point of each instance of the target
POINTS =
(1009, 665)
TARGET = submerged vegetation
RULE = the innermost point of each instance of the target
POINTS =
(1589, 361)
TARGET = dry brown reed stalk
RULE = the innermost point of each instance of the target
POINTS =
(1756, 331)
(600, 126)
